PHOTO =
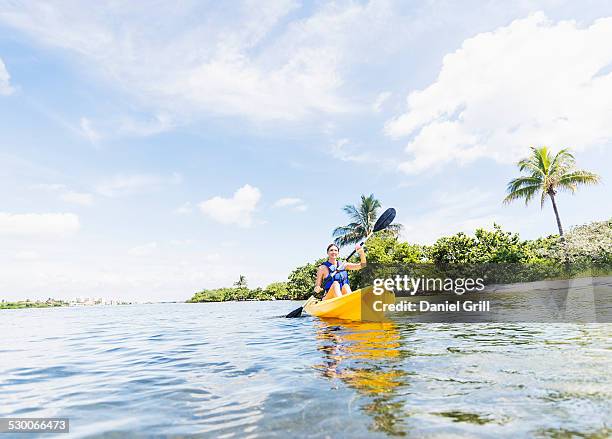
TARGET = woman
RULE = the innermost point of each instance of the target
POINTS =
(334, 275)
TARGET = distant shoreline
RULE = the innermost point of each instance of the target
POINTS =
(53, 303)
(21, 304)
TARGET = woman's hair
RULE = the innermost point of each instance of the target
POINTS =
(331, 245)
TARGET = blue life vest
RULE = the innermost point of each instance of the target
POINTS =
(335, 275)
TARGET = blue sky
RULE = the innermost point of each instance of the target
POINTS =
(149, 151)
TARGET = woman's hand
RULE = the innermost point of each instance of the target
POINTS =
(362, 256)
(318, 289)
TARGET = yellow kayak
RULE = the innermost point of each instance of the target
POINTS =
(360, 305)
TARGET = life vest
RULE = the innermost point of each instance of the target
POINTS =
(335, 275)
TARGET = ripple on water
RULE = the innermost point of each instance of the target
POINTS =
(239, 370)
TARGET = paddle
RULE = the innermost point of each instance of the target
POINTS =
(382, 223)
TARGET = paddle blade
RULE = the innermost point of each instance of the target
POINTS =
(295, 313)
(385, 219)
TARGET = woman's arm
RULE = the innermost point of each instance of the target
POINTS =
(320, 275)
(362, 260)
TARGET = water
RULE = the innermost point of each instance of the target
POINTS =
(241, 370)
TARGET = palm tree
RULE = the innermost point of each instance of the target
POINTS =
(548, 174)
(363, 218)
(241, 282)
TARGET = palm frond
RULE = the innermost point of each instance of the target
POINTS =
(352, 212)
(370, 201)
(349, 238)
(542, 199)
(526, 192)
(343, 230)
(543, 158)
(369, 211)
(519, 182)
(562, 160)
(531, 164)
(580, 177)
(571, 180)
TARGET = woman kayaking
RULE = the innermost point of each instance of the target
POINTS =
(334, 275)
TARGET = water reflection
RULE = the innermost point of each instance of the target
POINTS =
(368, 357)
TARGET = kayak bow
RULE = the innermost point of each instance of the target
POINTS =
(360, 305)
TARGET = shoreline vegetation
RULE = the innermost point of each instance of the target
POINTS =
(49, 303)
(55, 303)
(584, 250)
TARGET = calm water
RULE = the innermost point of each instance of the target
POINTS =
(240, 370)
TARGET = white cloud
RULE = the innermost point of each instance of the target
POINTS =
(184, 209)
(65, 194)
(27, 255)
(50, 187)
(143, 250)
(343, 150)
(38, 224)
(5, 85)
(284, 202)
(88, 131)
(532, 82)
(235, 210)
(290, 202)
(380, 101)
(217, 66)
(158, 123)
(128, 184)
(212, 257)
(261, 60)
(81, 198)
(181, 242)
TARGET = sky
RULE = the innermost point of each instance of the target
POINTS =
(150, 150)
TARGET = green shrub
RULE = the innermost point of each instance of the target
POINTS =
(486, 246)
(302, 281)
(278, 290)
(588, 243)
